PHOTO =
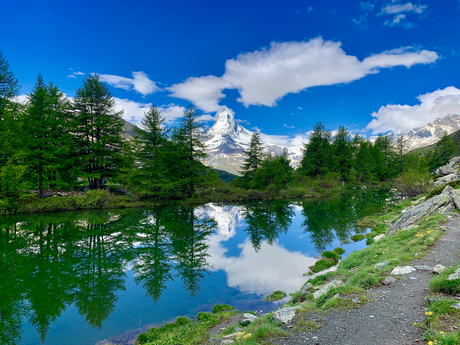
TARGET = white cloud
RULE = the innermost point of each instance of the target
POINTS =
(79, 73)
(400, 8)
(432, 105)
(285, 125)
(140, 82)
(206, 118)
(134, 111)
(367, 6)
(71, 76)
(361, 22)
(300, 107)
(265, 76)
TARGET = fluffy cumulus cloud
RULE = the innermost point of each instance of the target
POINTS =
(432, 105)
(134, 111)
(265, 76)
(75, 74)
(140, 82)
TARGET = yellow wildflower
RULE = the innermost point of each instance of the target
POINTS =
(429, 313)
(430, 343)
(441, 332)
(247, 336)
(415, 323)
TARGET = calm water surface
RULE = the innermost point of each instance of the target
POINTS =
(80, 278)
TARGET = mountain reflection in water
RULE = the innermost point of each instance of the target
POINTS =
(50, 263)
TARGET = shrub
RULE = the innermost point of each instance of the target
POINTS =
(339, 250)
(275, 296)
(413, 182)
(357, 237)
(321, 265)
(331, 255)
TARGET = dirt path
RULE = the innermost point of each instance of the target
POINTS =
(389, 318)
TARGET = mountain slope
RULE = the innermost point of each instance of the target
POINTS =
(227, 141)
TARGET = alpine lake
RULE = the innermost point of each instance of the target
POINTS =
(85, 277)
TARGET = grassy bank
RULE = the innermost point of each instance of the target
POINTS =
(101, 199)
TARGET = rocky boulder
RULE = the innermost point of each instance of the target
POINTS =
(443, 203)
(446, 179)
(450, 167)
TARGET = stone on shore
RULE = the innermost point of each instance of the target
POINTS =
(250, 317)
(438, 268)
(455, 275)
(402, 270)
(456, 306)
(443, 203)
(325, 289)
(286, 314)
(379, 237)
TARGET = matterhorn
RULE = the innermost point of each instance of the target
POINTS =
(227, 141)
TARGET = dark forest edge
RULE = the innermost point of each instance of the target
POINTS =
(52, 144)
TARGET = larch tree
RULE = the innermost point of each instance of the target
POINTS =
(98, 129)
(254, 156)
(317, 154)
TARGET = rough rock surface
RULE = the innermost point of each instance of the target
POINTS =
(438, 268)
(445, 170)
(381, 265)
(455, 275)
(448, 178)
(379, 237)
(389, 318)
(325, 289)
(443, 203)
(285, 315)
(402, 270)
(389, 280)
(249, 316)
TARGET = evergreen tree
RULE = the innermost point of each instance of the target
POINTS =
(254, 156)
(342, 149)
(365, 162)
(153, 150)
(189, 151)
(98, 129)
(9, 85)
(274, 172)
(317, 154)
(385, 159)
(444, 150)
(400, 149)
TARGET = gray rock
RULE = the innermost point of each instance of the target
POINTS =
(424, 268)
(306, 287)
(325, 289)
(250, 317)
(389, 280)
(402, 270)
(232, 335)
(443, 203)
(455, 275)
(286, 314)
(445, 170)
(381, 265)
(410, 227)
(438, 268)
(448, 178)
(456, 305)
(227, 341)
(356, 300)
(379, 237)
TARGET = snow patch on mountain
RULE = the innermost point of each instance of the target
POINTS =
(227, 141)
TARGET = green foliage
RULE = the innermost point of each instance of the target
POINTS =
(97, 129)
(225, 176)
(440, 283)
(357, 237)
(444, 150)
(254, 157)
(438, 190)
(9, 85)
(317, 154)
(274, 173)
(222, 307)
(332, 255)
(275, 296)
(339, 250)
(321, 265)
(413, 182)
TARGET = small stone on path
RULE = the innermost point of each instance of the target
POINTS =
(424, 268)
(438, 268)
(456, 305)
(402, 270)
(389, 280)
(381, 265)
(325, 289)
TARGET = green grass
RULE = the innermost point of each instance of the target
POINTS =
(357, 237)
(275, 296)
(442, 323)
(222, 307)
(184, 330)
(440, 283)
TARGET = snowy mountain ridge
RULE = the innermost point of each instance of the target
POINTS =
(227, 141)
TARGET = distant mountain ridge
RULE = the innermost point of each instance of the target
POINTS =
(429, 134)
(227, 141)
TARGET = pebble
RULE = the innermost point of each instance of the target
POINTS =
(402, 270)
(456, 305)
(438, 268)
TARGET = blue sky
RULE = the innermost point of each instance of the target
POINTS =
(281, 66)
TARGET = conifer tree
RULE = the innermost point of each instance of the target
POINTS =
(444, 150)
(189, 151)
(254, 156)
(153, 149)
(9, 85)
(317, 154)
(97, 128)
(343, 152)
(401, 147)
